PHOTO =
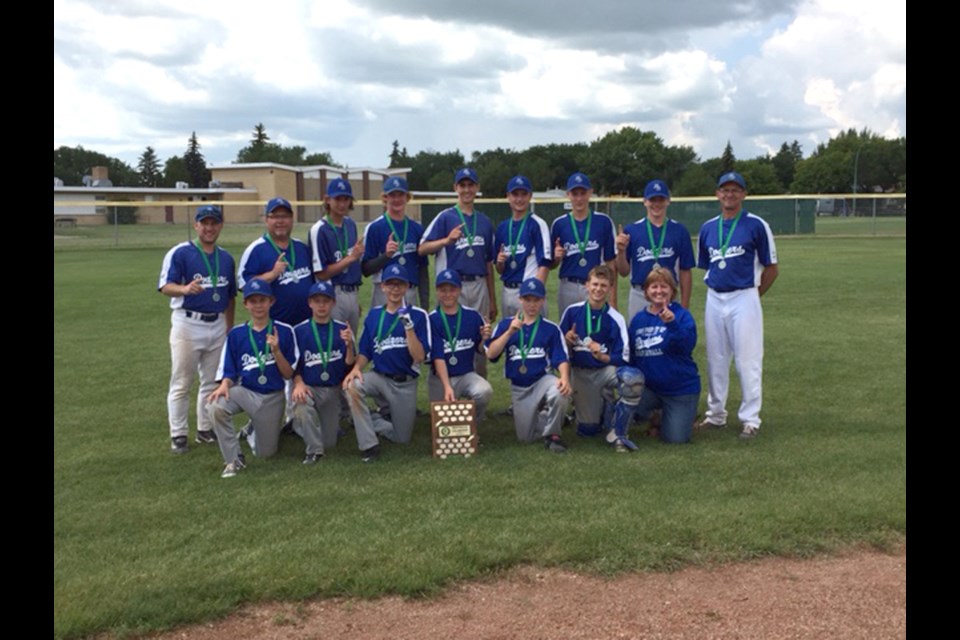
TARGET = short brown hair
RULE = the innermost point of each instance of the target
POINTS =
(659, 273)
(601, 271)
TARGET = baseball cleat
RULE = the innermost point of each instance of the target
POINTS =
(707, 424)
(371, 454)
(178, 444)
(206, 437)
(555, 444)
(749, 432)
(312, 458)
(230, 470)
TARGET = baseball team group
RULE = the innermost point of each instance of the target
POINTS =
(302, 362)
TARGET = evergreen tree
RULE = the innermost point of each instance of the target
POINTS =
(727, 161)
(196, 164)
(149, 168)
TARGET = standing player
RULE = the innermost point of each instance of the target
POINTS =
(458, 334)
(281, 260)
(336, 250)
(326, 353)
(654, 240)
(534, 346)
(582, 240)
(396, 339)
(199, 277)
(596, 336)
(462, 238)
(740, 257)
(254, 365)
(522, 246)
(393, 239)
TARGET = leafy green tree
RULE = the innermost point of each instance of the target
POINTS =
(625, 161)
(195, 164)
(174, 171)
(761, 176)
(878, 164)
(697, 180)
(70, 164)
(149, 168)
(434, 171)
(261, 149)
(785, 162)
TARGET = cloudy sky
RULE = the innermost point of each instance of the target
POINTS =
(349, 77)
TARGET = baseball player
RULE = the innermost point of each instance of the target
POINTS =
(393, 239)
(254, 364)
(654, 240)
(596, 336)
(336, 250)
(740, 258)
(522, 246)
(326, 353)
(662, 338)
(534, 346)
(396, 339)
(457, 333)
(462, 238)
(199, 277)
(582, 240)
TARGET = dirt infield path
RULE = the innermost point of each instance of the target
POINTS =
(859, 594)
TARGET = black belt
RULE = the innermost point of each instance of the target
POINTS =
(398, 378)
(203, 317)
(575, 280)
(349, 287)
(465, 278)
(511, 285)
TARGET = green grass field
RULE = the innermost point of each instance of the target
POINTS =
(144, 540)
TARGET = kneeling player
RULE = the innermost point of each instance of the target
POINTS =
(596, 336)
(326, 352)
(396, 339)
(458, 334)
(254, 364)
(534, 346)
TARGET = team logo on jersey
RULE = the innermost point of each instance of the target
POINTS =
(731, 252)
(249, 362)
(644, 254)
(311, 359)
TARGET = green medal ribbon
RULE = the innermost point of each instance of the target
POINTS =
(513, 244)
(403, 241)
(343, 246)
(603, 311)
(656, 248)
(581, 244)
(324, 353)
(525, 347)
(451, 338)
(383, 314)
(470, 234)
(292, 263)
(733, 227)
(213, 273)
(261, 355)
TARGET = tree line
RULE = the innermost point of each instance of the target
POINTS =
(619, 163)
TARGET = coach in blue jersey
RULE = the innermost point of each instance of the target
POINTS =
(522, 246)
(393, 239)
(396, 339)
(582, 239)
(740, 258)
(281, 260)
(200, 279)
(336, 249)
(654, 240)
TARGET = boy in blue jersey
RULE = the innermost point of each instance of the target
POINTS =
(326, 354)
(458, 334)
(396, 339)
(534, 346)
(336, 250)
(596, 336)
(522, 246)
(199, 277)
(582, 240)
(254, 365)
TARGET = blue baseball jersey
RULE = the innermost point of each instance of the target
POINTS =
(330, 244)
(600, 247)
(529, 249)
(465, 342)
(239, 361)
(609, 330)
(310, 363)
(749, 250)
(548, 351)
(292, 288)
(183, 263)
(664, 352)
(676, 253)
(390, 355)
(455, 256)
(376, 236)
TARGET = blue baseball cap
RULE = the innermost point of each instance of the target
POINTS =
(448, 276)
(578, 181)
(339, 187)
(519, 183)
(732, 176)
(466, 174)
(209, 211)
(277, 203)
(322, 288)
(395, 272)
(656, 189)
(395, 183)
(533, 287)
(257, 287)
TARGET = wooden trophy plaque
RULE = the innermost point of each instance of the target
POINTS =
(454, 429)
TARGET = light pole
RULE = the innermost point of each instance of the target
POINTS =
(856, 165)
